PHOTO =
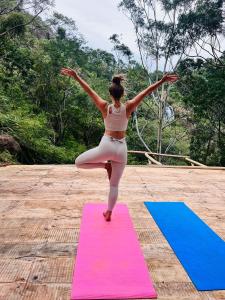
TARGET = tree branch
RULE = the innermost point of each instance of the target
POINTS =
(25, 24)
(5, 11)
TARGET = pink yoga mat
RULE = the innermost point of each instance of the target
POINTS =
(109, 262)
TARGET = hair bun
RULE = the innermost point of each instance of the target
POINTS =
(117, 79)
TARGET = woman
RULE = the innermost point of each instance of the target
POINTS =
(111, 153)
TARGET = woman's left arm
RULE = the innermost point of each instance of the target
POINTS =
(99, 102)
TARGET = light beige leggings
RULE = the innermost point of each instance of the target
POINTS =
(111, 149)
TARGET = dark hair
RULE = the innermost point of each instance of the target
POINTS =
(116, 89)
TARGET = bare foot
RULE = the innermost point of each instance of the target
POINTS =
(108, 167)
(107, 215)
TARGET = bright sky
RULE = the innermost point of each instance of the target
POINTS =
(98, 20)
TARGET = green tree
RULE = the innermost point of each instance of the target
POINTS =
(203, 90)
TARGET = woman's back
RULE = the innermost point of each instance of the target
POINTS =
(116, 118)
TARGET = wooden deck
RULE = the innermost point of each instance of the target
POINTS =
(40, 214)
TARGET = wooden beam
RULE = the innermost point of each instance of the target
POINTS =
(181, 167)
(195, 162)
(153, 153)
(152, 159)
(187, 158)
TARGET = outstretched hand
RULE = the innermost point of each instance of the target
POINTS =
(68, 72)
(170, 77)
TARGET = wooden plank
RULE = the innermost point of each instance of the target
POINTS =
(46, 291)
(149, 236)
(43, 250)
(52, 270)
(179, 291)
(12, 290)
(12, 270)
(167, 268)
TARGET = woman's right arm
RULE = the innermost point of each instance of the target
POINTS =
(99, 102)
(132, 104)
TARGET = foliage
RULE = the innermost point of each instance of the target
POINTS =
(54, 120)
(203, 89)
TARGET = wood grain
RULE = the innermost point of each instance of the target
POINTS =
(40, 215)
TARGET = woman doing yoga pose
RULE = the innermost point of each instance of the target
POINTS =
(111, 153)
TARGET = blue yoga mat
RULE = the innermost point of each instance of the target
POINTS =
(200, 250)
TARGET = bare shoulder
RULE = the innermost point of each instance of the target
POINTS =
(104, 109)
(128, 103)
(129, 107)
(102, 102)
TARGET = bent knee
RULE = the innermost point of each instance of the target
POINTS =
(77, 162)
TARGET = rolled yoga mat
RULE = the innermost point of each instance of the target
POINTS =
(109, 262)
(200, 250)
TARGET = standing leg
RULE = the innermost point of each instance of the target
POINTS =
(117, 171)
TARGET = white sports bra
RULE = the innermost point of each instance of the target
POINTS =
(116, 119)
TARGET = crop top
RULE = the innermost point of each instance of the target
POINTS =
(116, 119)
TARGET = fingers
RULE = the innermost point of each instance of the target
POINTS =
(63, 71)
(66, 71)
(172, 78)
